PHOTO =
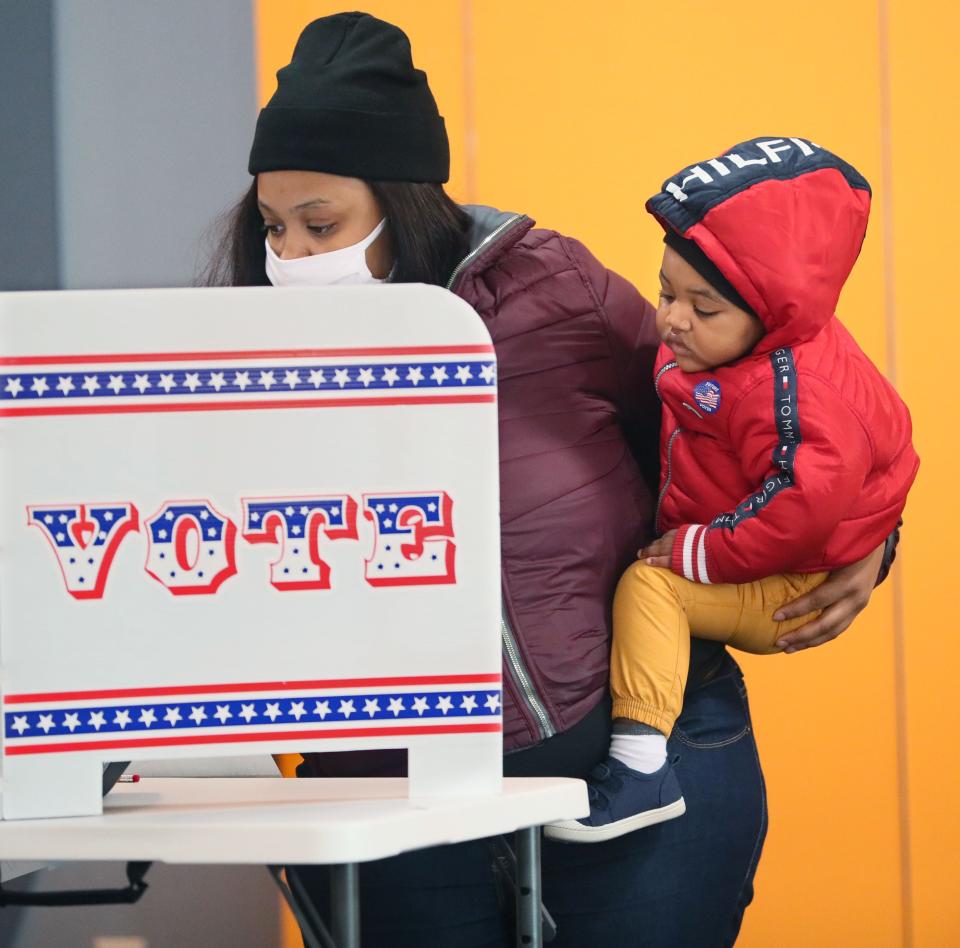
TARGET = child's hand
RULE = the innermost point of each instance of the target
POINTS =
(660, 552)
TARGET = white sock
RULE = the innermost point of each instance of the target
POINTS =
(644, 752)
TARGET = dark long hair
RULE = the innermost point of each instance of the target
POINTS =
(427, 230)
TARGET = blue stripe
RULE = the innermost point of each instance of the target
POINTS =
(30, 382)
(260, 712)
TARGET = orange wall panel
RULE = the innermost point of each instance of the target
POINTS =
(579, 120)
(925, 87)
(574, 114)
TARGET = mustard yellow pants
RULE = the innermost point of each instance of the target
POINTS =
(655, 612)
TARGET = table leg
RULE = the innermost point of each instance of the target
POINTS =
(314, 932)
(345, 905)
(529, 919)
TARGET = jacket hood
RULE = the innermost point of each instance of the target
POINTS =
(783, 219)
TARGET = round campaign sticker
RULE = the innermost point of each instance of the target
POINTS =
(707, 395)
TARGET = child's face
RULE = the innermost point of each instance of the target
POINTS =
(701, 327)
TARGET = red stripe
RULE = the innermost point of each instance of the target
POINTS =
(249, 738)
(75, 359)
(694, 563)
(326, 683)
(239, 406)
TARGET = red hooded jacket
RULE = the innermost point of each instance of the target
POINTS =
(798, 456)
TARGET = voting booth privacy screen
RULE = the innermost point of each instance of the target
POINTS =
(243, 521)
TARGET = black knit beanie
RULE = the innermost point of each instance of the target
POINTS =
(351, 103)
(691, 252)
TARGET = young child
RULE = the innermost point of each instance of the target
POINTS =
(784, 452)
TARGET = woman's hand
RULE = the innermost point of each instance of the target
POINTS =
(841, 596)
(660, 552)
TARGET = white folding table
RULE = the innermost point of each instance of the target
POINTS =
(277, 822)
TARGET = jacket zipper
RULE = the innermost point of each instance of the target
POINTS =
(673, 437)
(527, 692)
(470, 257)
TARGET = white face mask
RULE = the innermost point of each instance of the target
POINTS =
(347, 265)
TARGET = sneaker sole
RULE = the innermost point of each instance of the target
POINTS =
(572, 831)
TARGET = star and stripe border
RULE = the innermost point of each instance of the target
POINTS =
(221, 381)
(251, 712)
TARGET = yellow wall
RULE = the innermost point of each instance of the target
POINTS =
(574, 113)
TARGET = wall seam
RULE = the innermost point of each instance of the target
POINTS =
(899, 642)
(468, 78)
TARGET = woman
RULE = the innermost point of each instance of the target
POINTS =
(349, 158)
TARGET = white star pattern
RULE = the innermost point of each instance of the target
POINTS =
(297, 710)
(273, 711)
(373, 706)
(420, 705)
(291, 378)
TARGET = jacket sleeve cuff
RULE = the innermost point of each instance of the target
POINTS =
(689, 557)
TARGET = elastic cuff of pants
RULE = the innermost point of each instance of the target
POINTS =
(637, 710)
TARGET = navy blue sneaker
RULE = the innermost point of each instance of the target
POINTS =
(622, 800)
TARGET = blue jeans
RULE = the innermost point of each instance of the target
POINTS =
(680, 884)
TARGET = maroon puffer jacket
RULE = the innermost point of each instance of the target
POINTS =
(575, 348)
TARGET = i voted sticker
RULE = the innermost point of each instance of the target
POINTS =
(707, 396)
